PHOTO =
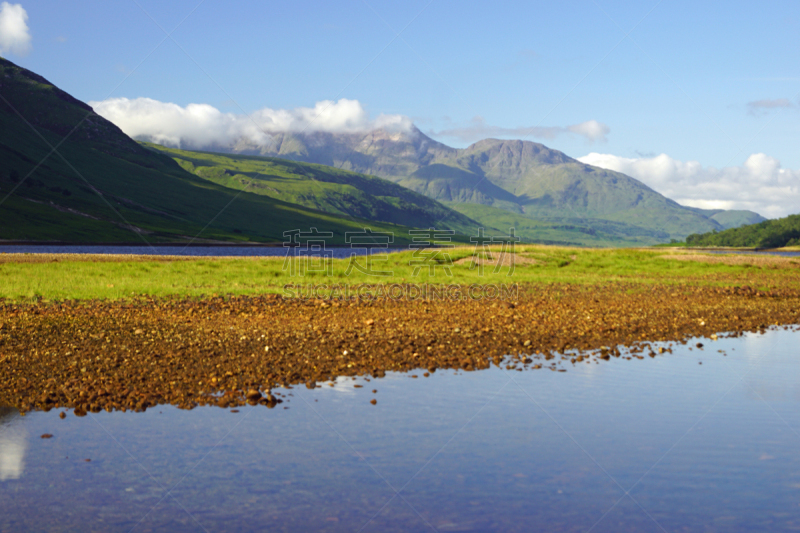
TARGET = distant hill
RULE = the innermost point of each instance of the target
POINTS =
(339, 192)
(731, 218)
(343, 192)
(520, 177)
(562, 230)
(767, 234)
(108, 188)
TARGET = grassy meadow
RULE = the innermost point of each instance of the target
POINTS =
(323, 188)
(27, 277)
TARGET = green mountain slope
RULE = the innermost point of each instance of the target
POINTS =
(768, 234)
(343, 192)
(324, 188)
(731, 218)
(521, 177)
(562, 230)
(547, 183)
(107, 187)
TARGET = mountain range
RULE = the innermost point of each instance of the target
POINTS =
(494, 179)
(68, 174)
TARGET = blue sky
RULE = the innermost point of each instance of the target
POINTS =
(705, 82)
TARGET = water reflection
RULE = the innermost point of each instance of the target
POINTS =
(13, 444)
(337, 252)
(692, 441)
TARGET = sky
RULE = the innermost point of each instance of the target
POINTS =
(699, 100)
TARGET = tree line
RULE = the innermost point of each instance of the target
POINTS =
(768, 234)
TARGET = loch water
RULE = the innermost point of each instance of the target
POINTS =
(315, 250)
(700, 439)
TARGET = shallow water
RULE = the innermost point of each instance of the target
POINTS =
(662, 444)
(740, 252)
(337, 252)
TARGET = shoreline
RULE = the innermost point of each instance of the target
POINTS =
(228, 351)
(223, 244)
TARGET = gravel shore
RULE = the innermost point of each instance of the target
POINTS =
(131, 355)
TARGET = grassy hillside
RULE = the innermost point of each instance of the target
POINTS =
(565, 193)
(324, 188)
(731, 218)
(546, 183)
(562, 230)
(106, 187)
(768, 234)
(521, 177)
(347, 193)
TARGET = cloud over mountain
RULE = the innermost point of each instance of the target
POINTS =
(202, 125)
(478, 129)
(15, 36)
(760, 184)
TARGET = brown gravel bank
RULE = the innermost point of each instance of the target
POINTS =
(132, 355)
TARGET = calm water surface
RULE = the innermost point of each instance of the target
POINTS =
(662, 444)
(336, 252)
(771, 252)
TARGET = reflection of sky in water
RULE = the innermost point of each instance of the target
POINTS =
(709, 447)
(13, 443)
(337, 252)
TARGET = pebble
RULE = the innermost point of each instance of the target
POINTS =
(200, 351)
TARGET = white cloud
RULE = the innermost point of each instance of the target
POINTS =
(591, 129)
(760, 184)
(202, 125)
(477, 129)
(14, 34)
(13, 445)
(758, 107)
